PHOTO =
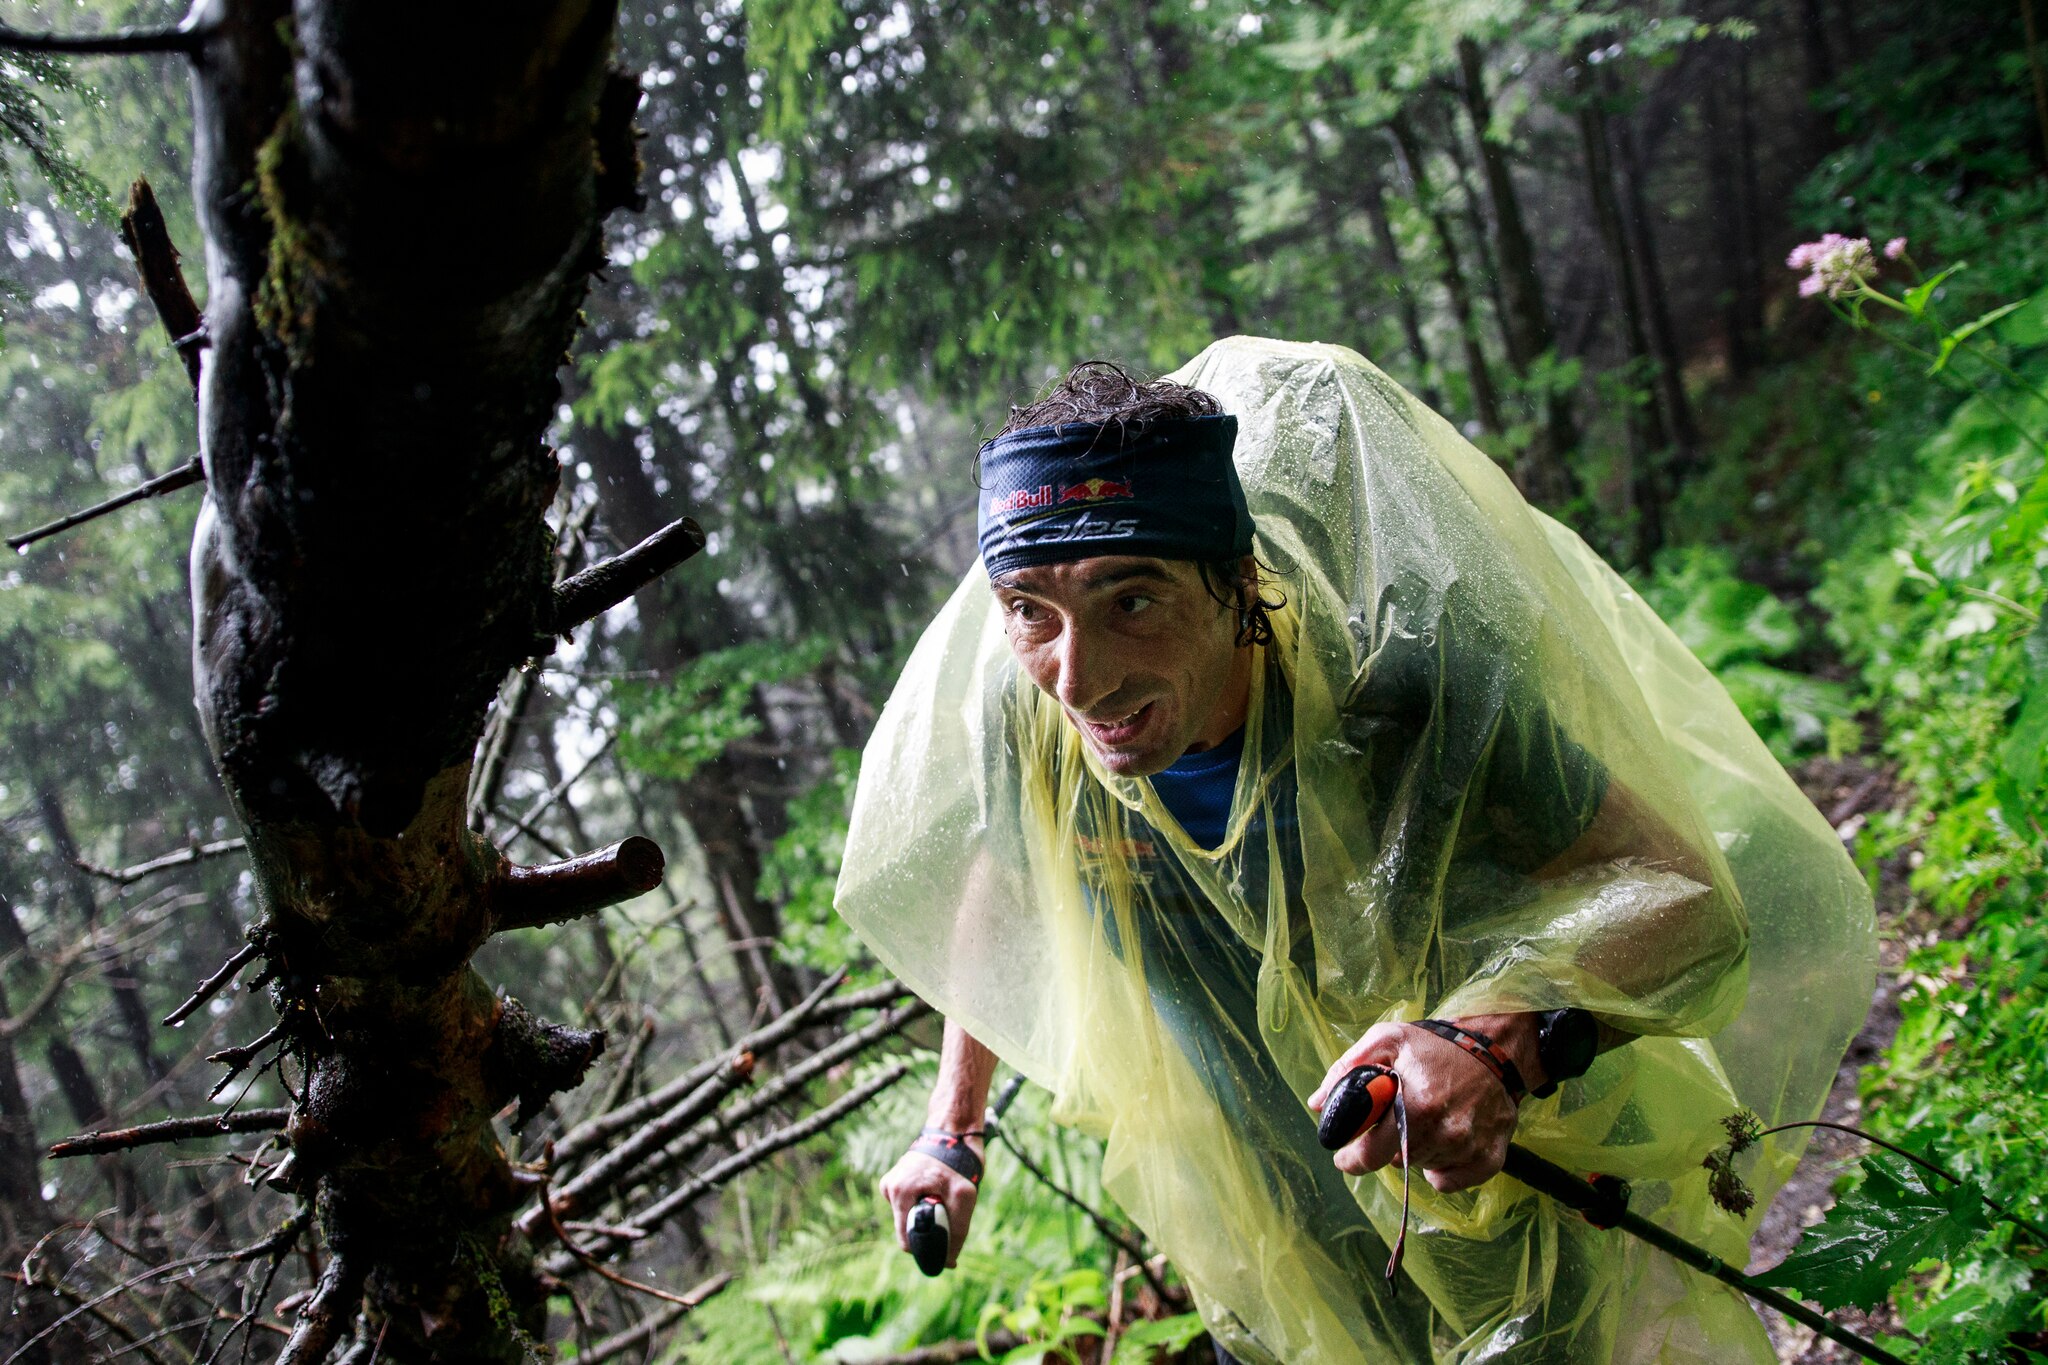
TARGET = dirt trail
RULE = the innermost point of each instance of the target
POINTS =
(1845, 791)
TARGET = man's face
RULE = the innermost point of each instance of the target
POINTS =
(1140, 655)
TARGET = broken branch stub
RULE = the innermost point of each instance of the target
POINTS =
(156, 260)
(586, 595)
(554, 893)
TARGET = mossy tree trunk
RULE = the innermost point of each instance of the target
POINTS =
(403, 206)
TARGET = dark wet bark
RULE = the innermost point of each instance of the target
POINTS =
(400, 231)
(1544, 473)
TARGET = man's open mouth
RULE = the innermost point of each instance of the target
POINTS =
(1118, 730)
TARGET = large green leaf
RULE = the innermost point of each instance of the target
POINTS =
(1877, 1233)
(2024, 759)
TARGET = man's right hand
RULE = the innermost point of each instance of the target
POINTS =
(917, 1177)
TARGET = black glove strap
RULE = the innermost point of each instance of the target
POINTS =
(950, 1149)
(1483, 1049)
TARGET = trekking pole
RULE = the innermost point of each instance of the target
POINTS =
(1604, 1203)
(1364, 1096)
(928, 1231)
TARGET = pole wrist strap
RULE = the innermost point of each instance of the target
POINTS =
(950, 1149)
(1488, 1053)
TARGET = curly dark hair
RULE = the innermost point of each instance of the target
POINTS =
(1102, 391)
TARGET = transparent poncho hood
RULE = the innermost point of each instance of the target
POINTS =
(1458, 688)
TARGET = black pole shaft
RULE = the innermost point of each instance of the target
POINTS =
(1555, 1181)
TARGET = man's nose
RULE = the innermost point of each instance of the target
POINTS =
(1087, 673)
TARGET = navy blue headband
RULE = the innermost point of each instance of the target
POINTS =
(1165, 488)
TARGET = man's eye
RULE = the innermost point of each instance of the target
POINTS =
(1025, 610)
(1134, 603)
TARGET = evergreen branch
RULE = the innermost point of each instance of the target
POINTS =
(171, 1130)
(184, 476)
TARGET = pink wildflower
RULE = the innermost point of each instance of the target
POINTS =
(1895, 248)
(1837, 264)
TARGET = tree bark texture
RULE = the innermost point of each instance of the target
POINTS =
(402, 206)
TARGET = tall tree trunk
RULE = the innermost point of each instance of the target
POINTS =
(1373, 197)
(1813, 47)
(1642, 241)
(1725, 187)
(1647, 435)
(1451, 270)
(124, 982)
(1547, 476)
(1476, 226)
(343, 677)
(1749, 219)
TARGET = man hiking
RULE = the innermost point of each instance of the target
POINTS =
(1275, 734)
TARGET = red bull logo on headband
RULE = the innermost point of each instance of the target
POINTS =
(1095, 490)
(1023, 500)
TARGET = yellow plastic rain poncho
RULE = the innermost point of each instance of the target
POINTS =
(1457, 690)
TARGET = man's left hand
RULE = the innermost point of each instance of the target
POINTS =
(1460, 1116)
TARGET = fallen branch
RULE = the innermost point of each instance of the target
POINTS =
(553, 893)
(575, 1195)
(123, 876)
(757, 1152)
(774, 1092)
(285, 1233)
(653, 1291)
(209, 987)
(813, 1008)
(156, 260)
(184, 476)
(605, 584)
